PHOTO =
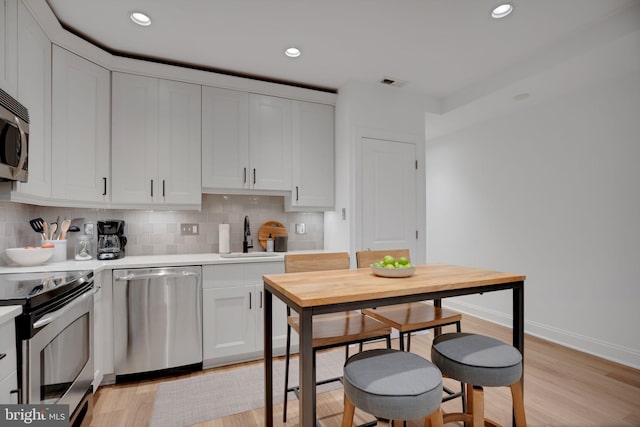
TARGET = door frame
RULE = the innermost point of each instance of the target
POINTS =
(356, 190)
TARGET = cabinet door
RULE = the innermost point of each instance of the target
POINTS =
(9, 389)
(134, 139)
(179, 139)
(9, 46)
(34, 92)
(80, 128)
(225, 138)
(313, 158)
(270, 142)
(229, 321)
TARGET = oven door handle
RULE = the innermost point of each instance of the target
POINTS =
(58, 313)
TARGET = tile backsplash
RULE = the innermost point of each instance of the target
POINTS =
(158, 232)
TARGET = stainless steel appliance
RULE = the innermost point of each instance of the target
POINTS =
(111, 239)
(54, 337)
(157, 316)
(14, 139)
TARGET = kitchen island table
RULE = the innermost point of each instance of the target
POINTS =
(319, 292)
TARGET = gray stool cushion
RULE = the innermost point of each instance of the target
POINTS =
(393, 384)
(477, 359)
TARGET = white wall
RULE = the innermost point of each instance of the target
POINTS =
(551, 191)
(374, 111)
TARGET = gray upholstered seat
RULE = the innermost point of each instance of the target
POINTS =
(477, 359)
(393, 384)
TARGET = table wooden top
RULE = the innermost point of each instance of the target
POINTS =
(319, 288)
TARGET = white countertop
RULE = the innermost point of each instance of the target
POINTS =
(147, 261)
(9, 312)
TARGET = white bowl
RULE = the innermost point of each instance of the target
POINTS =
(393, 272)
(29, 257)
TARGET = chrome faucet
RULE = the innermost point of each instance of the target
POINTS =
(247, 232)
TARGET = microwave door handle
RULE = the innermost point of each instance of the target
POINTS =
(23, 151)
(56, 314)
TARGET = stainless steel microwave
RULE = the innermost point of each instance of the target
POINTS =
(14, 139)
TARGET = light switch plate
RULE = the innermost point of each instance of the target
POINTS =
(189, 229)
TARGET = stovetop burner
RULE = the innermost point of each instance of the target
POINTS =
(32, 290)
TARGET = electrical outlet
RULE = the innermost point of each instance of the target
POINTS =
(189, 229)
(301, 229)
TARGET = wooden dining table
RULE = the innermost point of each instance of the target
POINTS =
(319, 292)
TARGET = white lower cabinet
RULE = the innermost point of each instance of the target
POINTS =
(233, 297)
(8, 366)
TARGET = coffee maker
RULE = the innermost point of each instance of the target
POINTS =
(111, 239)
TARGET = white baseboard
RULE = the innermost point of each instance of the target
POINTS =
(606, 350)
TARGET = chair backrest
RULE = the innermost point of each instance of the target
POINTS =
(296, 263)
(366, 258)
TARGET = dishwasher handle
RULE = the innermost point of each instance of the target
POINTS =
(134, 276)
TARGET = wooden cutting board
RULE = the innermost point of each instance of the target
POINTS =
(275, 228)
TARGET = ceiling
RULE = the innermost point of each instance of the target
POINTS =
(437, 47)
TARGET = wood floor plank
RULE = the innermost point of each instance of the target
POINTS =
(562, 387)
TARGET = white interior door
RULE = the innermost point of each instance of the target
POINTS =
(389, 199)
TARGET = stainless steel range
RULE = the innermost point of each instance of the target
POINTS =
(54, 338)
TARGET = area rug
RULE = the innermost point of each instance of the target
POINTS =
(218, 394)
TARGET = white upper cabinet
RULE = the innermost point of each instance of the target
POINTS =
(313, 156)
(155, 147)
(9, 46)
(269, 143)
(34, 92)
(225, 139)
(246, 141)
(80, 129)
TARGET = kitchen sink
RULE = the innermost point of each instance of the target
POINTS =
(248, 255)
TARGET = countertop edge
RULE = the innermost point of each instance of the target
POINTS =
(9, 312)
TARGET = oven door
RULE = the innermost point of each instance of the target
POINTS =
(58, 359)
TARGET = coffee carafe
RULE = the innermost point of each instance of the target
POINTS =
(111, 239)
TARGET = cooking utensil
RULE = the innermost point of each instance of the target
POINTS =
(64, 228)
(52, 231)
(37, 224)
(45, 227)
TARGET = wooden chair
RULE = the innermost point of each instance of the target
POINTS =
(410, 317)
(333, 329)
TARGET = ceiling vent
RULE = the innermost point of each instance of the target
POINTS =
(393, 82)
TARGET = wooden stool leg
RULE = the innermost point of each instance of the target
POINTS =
(349, 411)
(477, 406)
(518, 404)
(434, 420)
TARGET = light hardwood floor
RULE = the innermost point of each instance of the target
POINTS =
(563, 387)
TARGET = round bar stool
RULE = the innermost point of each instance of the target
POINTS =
(479, 361)
(392, 384)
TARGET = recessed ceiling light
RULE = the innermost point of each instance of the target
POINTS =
(140, 18)
(502, 10)
(292, 52)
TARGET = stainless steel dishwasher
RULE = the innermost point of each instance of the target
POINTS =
(157, 319)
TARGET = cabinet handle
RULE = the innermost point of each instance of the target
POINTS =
(260, 299)
(3, 355)
(163, 195)
(151, 188)
(17, 391)
(254, 176)
(296, 193)
(104, 182)
(250, 298)
(244, 176)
